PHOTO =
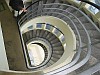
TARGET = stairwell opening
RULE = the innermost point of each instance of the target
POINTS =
(36, 54)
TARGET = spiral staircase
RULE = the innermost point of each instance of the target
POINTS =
(69, 38)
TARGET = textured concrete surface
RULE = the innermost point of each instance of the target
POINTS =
(12, 40)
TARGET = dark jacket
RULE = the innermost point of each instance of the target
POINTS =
(16, 4)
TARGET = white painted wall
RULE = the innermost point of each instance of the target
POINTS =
(3, 57)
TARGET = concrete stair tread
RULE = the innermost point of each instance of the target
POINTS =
(92, 61)
(70, 9)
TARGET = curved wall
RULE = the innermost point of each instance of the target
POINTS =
(68, 34)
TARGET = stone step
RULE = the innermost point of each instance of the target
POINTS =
(92, 61)
(94, 70)
(88, 26)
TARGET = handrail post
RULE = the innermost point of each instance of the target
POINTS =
(40, 9)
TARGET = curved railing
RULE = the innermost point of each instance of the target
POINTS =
(93, 4)
(67, 67)
(50, 50)
(75, 63)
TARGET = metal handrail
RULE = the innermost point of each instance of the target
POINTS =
(87, 35)
(21, 37)
(83, 28)
(80, 43)
(23, 17)
(78, 11)
(79, 53)
(79, 38)
(69, 6)
(33, 3)
(25, 13)
(89, 41)
(91, 3)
